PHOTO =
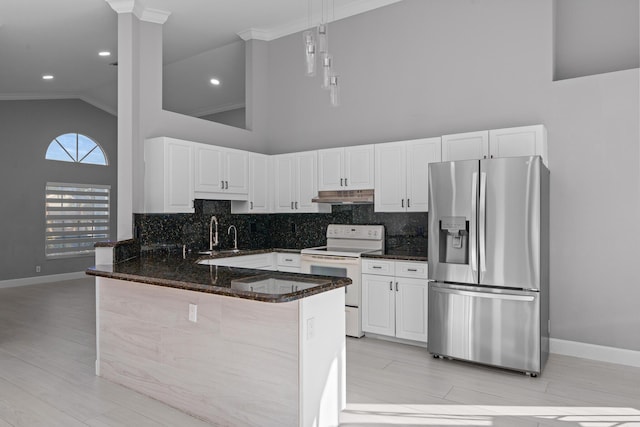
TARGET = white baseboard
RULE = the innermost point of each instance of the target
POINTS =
(595, 352)
(41, 279)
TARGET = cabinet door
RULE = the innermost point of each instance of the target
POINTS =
(378, 306)
(519, 141)
(259, 183)
(307, 182)
(359, 167)
(284, 175)
(390, 177)
(420, 153)
(411, 309)
(178, 176)
(209, 165)
(331, 169)
(236, 172)
(465, 146)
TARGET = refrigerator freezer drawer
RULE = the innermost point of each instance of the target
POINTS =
(495, 327)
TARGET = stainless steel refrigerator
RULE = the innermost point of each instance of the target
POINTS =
(489, 262)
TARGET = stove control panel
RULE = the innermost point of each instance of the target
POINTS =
(360, 232)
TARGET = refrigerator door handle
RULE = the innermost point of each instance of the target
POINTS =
(507, 297)
(482, 224)
(474, 214)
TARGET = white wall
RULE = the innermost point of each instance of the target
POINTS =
(423, 68)
(427, 68)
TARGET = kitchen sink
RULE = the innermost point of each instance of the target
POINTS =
(224, 251)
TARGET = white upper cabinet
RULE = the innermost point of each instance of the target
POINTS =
(221, 173)
(296, 183)
(168, 176)
(259, 187)
(519, 141)
(401, 174)
(465, 146)
(350, 168)
(509, 142)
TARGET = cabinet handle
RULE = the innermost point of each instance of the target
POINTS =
(402, 203)
(341, 182)
(345, 182)
(291, 205)
(484, 157)
(412, 269)
(492, 156)
(288, 259)
(396, 286)
(227, 184)
(251, 205)
(377, 267)
(222, 185)
(391, 285)
(408, 203)
(296, 205)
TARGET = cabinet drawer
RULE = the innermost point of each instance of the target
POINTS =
(411, 269)
(378, 266)
(288, 260)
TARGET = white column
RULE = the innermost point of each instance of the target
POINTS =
(139, 85)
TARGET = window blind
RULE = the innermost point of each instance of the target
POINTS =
(77, 216)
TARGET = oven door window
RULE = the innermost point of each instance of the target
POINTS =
(323, 270)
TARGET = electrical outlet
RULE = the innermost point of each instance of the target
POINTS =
(37, 269)
(193, 313)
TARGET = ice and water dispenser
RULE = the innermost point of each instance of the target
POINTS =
(454, 240)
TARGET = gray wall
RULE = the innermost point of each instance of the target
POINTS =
(595, 36)
(26, 129)
(236, 118)
(426, 68)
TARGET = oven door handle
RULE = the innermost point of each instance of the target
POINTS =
(329, 259)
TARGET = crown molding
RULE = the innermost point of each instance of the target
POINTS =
(124, 6)
(255, 34)
(57, 96)
(354, 8)
(34, 96)
(155, 16)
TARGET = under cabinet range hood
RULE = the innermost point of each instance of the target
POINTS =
(344, 197)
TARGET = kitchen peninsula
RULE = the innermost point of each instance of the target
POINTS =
(232, 346)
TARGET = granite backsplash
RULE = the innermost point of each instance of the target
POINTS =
(403, 231)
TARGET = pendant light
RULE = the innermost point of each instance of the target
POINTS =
(318, 44)
(310, 53)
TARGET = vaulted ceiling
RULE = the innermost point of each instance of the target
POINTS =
(63, 37)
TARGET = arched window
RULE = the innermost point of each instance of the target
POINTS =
(76, 148)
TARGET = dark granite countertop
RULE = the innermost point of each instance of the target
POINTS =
(171, 270)
(399, 255)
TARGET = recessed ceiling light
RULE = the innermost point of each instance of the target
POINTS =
(214, 82)
(104, 53)
(47, 77)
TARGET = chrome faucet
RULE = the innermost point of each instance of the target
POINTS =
(213, 237)
(235, 236)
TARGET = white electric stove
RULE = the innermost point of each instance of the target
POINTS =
(341, 257)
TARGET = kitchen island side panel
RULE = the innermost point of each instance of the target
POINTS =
(237, 365)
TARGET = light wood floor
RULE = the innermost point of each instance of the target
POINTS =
(47, 353)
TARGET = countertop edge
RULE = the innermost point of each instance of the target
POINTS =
(330, 283)
(397, 257)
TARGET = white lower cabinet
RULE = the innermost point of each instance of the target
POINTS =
(394, 299)
(288, 262)
(264, 261)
